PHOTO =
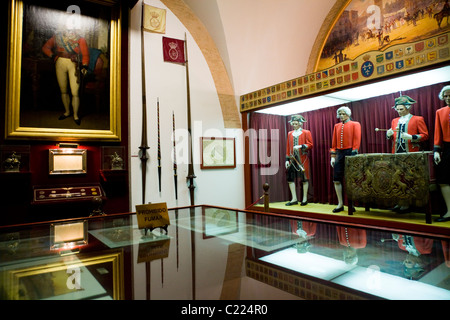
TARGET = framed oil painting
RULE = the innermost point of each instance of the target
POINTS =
(217, 153)
(63, 71)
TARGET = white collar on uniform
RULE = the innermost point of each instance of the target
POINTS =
(405, 118)
(297, 132)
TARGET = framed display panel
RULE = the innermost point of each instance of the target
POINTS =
(67, 161)
(47, 194)
(36, 93)
(68, 235)
(218, 153)
(65, 278)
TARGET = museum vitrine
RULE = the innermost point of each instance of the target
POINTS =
(213, 253)
(268, 144)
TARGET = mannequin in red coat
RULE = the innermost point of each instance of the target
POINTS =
(345, 142)
(406, 131)
(442, 150)
(299, 142)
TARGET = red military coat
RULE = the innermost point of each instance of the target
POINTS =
(346, 135)
(415, 126)
(446, 250)
(304, 138)
(308, 226)
(423, 245)
(442, 127)
(66, 46)
(352, 237)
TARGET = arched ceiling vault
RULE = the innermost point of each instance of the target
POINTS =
(213, 58)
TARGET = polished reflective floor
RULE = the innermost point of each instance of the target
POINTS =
(211, 253)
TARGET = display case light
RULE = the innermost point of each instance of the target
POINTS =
(68, 145)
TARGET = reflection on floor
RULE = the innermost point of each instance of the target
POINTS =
(374, 217)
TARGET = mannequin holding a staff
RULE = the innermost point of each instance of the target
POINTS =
(407, 132)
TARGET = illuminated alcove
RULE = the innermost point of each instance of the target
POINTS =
(413, 61)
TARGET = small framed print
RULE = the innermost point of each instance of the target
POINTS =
(218, 153)
(67, 161)
(66, 235)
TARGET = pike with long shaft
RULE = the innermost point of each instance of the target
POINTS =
(159, 149)
(144, 144)
(191, 176)
(175, 176)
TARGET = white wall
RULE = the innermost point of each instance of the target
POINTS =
(167, 81)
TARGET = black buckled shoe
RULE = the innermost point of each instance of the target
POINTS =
(442, 219)
(335, 210)
(63, 116)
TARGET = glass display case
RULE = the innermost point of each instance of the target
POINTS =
(15, 158)
(270, 151)
(214, 253)
(113, 158)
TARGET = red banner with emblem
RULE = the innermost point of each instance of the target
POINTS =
(173, 50)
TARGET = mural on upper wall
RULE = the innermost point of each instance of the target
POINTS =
(375, 25)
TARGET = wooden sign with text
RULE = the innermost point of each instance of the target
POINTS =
(151, 216)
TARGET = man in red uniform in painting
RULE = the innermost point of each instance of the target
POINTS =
(346, 141)
(442, 150)
(299, 142)
(70, 53)
(407, 130)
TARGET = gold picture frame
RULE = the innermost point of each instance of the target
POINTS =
(71, 277)
(218, 153)
(35, 98)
